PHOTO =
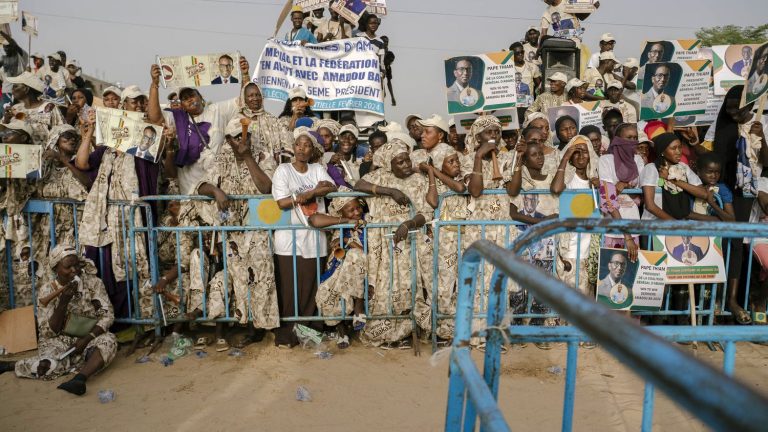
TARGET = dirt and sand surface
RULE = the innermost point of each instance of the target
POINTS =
(358, 389)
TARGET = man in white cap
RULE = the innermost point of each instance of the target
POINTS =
(607, 44)
(614, 95)
(57, 76)
(75, 72)
(575, 91)
(527, 75)
(554, 97)
(598, 78)
(434, 131)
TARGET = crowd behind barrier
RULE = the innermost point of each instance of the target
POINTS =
(710, 301)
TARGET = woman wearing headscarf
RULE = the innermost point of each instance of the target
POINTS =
(619, 169)
(267, 131)
(398, 197)
(328, 129)
(61, 179)
(578, 170)
(73, 311)
(741, 147)
(344, 277)
(77, 111)
(296, 107)
(39, 114)
(551, 153)
(300, 186)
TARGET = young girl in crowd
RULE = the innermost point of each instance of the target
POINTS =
(578, 170)
(344, 278)
(444, 176)
(344, 166)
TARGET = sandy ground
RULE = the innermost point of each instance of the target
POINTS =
(358, 389)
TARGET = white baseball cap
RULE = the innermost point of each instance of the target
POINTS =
(297, 92)
(132, 92)
(616, 84)
(351, 129)
(410, 117)
(112, 89)
(435, 121)
(29, 80)
(574, 82)
(55, 56)
(608, 55)
(631, 63)
(607, 37)
(558, 76)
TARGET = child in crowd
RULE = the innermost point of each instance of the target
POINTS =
(345, 276)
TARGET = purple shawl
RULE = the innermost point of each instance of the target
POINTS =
(191, 142)
(623, 151)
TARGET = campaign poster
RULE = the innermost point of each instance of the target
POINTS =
(731, 66)
(376, 7)
(626, 285)
(310, 5)
(585, 114)
(675, 89)
(131, 136)
(757, 79)
(714, 103)
(580, 6)
(692, 259)
(507, 117)
(200, 70)
(102, 120)
(29, 23)
(667, 51)
(350, 10)
(483, 82)
(9, 11)
(20, 160)
(336, 75)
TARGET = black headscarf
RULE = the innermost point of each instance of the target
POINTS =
(726, 135)
(677, 205)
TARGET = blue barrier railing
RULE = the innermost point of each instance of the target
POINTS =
(721, 402)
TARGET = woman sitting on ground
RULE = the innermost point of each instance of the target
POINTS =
(72, 326)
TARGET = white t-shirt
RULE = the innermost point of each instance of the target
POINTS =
(627, 207)
(578, 183)
(288, 181)
(218, 115)
(649, 176)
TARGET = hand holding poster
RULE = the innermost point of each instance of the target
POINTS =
(350, 10)
(19, 160)
(580, 6)
(29, 23)
(336, 75)
(130, 135)
(623, 284)
(484, 82)
(200, 70)
(675, 89)
(757, 80)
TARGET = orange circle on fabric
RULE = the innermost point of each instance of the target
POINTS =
(582, 206)
(269, 212)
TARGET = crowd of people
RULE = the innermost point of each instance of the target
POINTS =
(236, 147)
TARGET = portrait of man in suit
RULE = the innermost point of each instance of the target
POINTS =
(657, 98)
(460, 91)
(149, 135)
(687, 252)
(612, 286)
(226, 65)
(742, 66)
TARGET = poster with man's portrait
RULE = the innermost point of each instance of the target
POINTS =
(539, 206)
(483, 82)
(666, 51)
(131, 136)
(757, 79)
(731, 66)
(692, 259)
(675, 89)
(350, 10)
(200, 70)
(623, 284)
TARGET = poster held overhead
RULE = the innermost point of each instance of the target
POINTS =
(483, 82)
(200, 70)
(756, 84)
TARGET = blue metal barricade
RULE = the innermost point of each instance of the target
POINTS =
(716, 399)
